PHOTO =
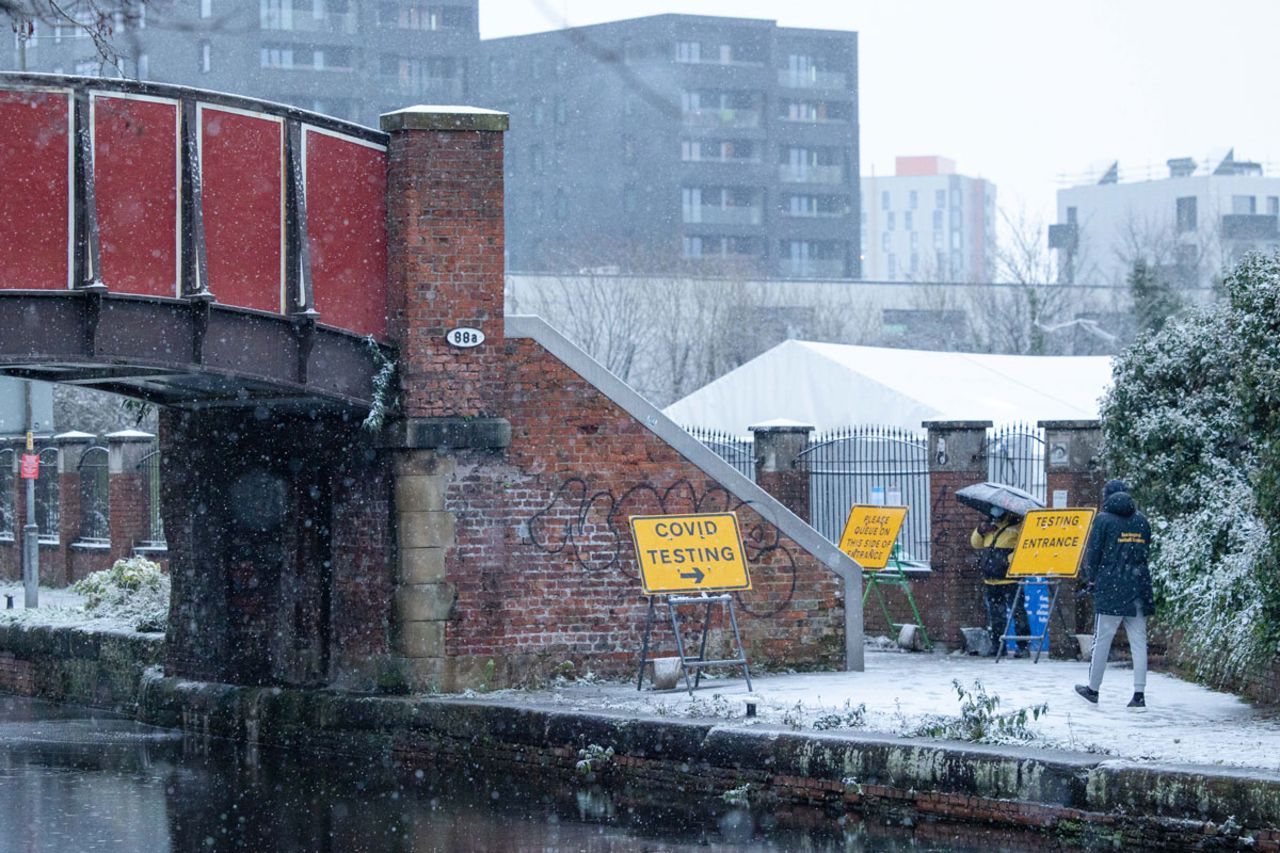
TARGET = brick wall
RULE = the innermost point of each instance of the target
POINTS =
(544, 568)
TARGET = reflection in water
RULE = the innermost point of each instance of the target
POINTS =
(78, 780)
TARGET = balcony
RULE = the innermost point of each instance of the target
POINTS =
(437, 87)
(304, 22)
(811, 268)
(1247, 226)
(812, 79)
(790, 173)
(726, 117)
(710, 215)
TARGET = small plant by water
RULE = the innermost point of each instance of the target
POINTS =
(738, 796)
(593, 759)
(135, 591)
(981, 720)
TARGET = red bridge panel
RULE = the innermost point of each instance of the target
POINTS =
(242, 163)
(346, 186)
(137, 173)
(35, 190)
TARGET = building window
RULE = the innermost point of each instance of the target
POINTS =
(955, 197)
(276, 57)
(206, 58)
(888, 220)
(955, 239)
(915, 241)
(1186, 214)
(884, 200)
(206, 8)
(144, 66)
(688, 51)
(937, 220)
(886, 241)
(1273, 205)
(1244, 205)
(940, 199)
(937, 239)
(913, 200)
(693, 247)
(908, 221)
(275, 14)
(1071, 216)
(891, 266)
(915, 263)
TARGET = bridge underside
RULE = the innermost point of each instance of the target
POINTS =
(182, 353)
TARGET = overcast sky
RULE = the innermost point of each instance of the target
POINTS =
(1021, 91)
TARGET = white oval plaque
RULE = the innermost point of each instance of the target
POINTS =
(464, 337)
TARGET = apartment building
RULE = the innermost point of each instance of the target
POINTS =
(353, 59)
(680, 142)
(926, 222)
(1190, 219)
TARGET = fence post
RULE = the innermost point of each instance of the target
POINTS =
(957, 458)
(1074, 476)
(62, 568)
(129, 521)
(777, 446)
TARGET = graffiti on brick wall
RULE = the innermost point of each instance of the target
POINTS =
(589, 529)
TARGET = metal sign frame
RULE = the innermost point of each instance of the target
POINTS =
(695, 662)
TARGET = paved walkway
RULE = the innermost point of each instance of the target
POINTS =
(1184, 723)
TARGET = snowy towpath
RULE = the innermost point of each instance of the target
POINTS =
(1184, 723)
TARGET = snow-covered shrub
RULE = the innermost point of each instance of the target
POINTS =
(133, 590)
(1186, 422)
(981, 720)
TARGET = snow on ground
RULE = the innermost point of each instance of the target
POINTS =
(1184, 722)
(61, 607)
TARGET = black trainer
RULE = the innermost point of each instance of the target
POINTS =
(1138, 701)
(1088, 693)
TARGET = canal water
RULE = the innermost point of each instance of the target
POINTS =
(73, 779)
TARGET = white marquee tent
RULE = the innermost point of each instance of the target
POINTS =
(837, 385)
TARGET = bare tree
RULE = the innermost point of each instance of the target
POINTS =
(101, 21)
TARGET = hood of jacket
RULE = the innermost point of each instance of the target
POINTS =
(1119, 503)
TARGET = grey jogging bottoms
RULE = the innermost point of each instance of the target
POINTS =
(1135, 628)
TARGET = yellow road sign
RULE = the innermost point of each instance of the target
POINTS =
(870, 532)
(689, 553)
(1051, 543)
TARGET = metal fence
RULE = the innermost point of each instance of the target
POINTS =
(8, 495)
(738, 452)
(95, 499)
(870, 465)
(149, 468)
(1015, 457)
(48, 498)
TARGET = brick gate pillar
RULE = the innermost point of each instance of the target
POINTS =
(957, 458)
(445, 244)
(1074, 478)
(129, 520)
(777, 447)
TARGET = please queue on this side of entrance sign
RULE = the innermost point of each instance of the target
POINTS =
(689, 553)
(1051, 543)
(869, 534)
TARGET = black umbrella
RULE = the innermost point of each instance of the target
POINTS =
(983, 496)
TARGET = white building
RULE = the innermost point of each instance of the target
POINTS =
(1189, 222)
(927, 223)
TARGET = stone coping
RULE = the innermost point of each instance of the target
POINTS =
(435, 117)
(1016, 785)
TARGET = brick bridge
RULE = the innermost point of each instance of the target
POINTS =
(253, 270)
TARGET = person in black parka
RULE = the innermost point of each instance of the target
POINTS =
(1116, 573)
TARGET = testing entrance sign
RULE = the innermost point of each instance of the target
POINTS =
(1051, 543)
(689, 553)
(870, 532)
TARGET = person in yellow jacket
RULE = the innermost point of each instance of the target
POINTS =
(994, 540)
